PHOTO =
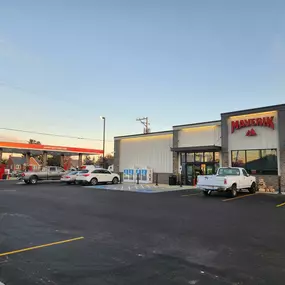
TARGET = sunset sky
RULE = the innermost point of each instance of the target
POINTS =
(65, 63)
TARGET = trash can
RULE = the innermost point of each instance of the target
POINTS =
(172, 180)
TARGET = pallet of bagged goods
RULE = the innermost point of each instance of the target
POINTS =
(262, 185)
(271, 189)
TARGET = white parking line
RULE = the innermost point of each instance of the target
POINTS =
(7, 190)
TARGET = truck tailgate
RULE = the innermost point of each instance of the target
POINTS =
(205, 181)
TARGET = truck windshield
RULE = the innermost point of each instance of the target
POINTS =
(228, 172)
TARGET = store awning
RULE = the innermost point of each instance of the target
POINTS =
(197, 148)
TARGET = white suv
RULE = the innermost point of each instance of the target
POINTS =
(96, 176)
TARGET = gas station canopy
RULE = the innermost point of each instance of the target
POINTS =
(13, 147)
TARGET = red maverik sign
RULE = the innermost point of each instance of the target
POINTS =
(262, 122)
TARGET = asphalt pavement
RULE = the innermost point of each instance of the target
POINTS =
(59, 234)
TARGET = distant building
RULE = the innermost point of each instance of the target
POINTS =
(15, 163)
(69, 163)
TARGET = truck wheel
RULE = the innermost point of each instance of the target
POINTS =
(93, 181)
(33, 180)
(234, 191)
(252, 189)
(207, 193)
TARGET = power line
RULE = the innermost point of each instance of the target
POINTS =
(53, 135)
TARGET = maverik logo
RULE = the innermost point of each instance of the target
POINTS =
(262, 122)
(251, 133)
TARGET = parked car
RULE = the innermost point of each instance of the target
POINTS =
(69, 177)
(227, 179)
(99, 175)
(47, 173)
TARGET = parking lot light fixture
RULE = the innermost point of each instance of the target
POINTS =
(104, 131)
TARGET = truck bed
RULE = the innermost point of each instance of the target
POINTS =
(211, 182)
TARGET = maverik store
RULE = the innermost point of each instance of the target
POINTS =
(253, 139)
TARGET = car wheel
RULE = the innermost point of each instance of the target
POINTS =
(27, 182)
(94, 181)
(33, 180)
(115, 180)
(252, 189)
(234, 191)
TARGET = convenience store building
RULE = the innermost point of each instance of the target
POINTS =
(253, 139)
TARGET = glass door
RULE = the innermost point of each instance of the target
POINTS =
(197, 171)
(189, 174)
(209, 169)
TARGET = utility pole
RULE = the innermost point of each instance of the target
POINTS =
(145, 122)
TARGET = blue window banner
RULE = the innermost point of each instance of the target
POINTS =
(131, 174)
(126, 174)
(144, 174)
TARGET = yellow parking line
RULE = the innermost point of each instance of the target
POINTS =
(243, 196)
(40, 246)
(190, 195)
(280, 205)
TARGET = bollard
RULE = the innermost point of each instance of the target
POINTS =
(279, 184)
(156, 179)
(138, 179)
(121, 174)
(180, 180)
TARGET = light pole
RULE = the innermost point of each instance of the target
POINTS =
(104, 131)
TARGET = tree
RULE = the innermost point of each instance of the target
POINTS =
(53, 160)
(3, 161)
(88, 160)
(38, 157)
(32, 141)
(109, 160)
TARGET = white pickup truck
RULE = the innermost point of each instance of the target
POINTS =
(227, 179)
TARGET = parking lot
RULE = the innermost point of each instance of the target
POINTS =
(58, 234)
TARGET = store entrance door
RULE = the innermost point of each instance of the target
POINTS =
(192, 171)
(195, 169)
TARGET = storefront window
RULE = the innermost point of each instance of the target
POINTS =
(269, 161)
(252, 160)
(238, 158)
(256, 161)
(199, 156)
(190, 157)
(208, 156)
(217, 157)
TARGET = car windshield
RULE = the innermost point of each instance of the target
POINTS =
(73, 172)
(83, 171)
(228, 172)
